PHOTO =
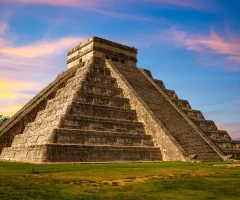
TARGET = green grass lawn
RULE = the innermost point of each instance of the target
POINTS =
(166, 180)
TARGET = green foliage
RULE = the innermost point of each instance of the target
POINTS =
(166, 180)
(3, 119)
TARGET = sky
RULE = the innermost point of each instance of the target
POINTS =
(192, 45)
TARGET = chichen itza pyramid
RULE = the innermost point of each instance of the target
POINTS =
(105, 109)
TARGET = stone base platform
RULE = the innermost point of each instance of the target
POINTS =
(81, 153)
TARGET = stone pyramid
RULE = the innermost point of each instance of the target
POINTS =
(105, 109)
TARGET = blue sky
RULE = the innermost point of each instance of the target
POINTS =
(192, 45)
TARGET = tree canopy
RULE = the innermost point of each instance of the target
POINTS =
(3, 119)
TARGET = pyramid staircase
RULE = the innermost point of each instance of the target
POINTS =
(97, 126)
(172, 131)
(230, 148)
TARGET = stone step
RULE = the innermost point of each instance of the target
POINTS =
(205, 125)
(218, 135)
(53, 121)
(65, 91)
(101, 80)
(76, 136)
(192, 145)
(230, 147)
(103, 71)
(186, 140)
(228, 144)
(76, 80)
(103, 112)
(94, 123)
(98, 99)
(160, 84)
(193, 113)
(60, 91)
(107, 91)
(204, 152)
(102, 65)
(87, 153)
(103, 85)
(49, 113)
(172, 94)
(63, 99)
(183, 104)
(73, 80)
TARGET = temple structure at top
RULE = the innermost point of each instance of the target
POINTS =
(101, 48)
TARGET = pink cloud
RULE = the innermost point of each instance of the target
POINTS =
(68, 3)
(211, 44)
(42, 48)
(37, 49)
(234, 58)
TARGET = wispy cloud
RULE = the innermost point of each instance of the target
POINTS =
(41, 48)
(11, 89)
(194, 4)
(10, 109)
(97, 6)
(14, 94)
(130, 16)
(30, 56)
(210, 44)
(68, 3)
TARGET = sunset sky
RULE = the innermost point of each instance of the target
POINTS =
(192, 45)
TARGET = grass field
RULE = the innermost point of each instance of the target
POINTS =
(166, 180)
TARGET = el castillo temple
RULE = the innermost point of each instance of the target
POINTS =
(104, 108)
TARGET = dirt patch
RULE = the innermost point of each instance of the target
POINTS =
(227, 165)
(127, 181)
(132, 180)
(113, 182)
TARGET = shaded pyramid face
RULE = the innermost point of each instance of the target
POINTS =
(105, 109)
(88, 120)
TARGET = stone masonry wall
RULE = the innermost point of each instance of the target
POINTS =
(38, 133)
(16, 124)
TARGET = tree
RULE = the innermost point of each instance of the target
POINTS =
(3, 119)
